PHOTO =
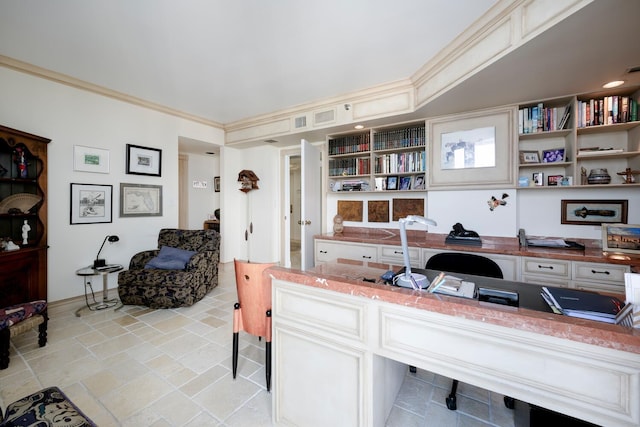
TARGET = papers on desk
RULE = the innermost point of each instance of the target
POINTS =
(583, 304)
(549, 243)
(451, 285)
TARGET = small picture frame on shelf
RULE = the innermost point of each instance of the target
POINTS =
(405, 183)
(538, 178)
(529, 157)
(418, 182)
(553, 156)
(392, 183)
(554, 180)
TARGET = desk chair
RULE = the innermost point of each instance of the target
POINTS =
(252, 312)
(455, 262)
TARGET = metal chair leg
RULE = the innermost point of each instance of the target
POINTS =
(451, 400)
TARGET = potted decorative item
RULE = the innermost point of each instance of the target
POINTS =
(599, 176)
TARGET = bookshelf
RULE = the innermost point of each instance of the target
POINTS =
(597, 133)
(367, 160)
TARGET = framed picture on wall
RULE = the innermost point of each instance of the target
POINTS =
(216, 184)
(88, 159)
(593, 212)
(144, 160)
(140, 200)
(91, 203)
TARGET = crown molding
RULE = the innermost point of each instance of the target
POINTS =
(64, 79)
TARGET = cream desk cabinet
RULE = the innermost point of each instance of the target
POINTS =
(346, 343)
(593, 276)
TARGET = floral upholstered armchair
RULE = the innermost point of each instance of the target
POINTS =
(179, 273)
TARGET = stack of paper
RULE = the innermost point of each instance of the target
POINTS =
(451, 285)
(582, 304)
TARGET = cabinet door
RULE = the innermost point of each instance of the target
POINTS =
(331, 250)
(395, 255)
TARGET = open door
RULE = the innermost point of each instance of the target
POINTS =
(311, 210)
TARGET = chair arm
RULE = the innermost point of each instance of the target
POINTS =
(139, 260)
(203, 260)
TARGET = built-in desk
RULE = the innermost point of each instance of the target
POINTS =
(345, 344)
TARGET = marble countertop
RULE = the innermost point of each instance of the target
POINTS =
(346, 276)
(490, 244)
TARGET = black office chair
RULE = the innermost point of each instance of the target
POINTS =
(455, 262)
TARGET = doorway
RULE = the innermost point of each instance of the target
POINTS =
(295, 206)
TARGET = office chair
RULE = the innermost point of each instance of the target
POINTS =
(455, 262)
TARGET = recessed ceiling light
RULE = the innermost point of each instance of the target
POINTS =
(359, 127)
(614, 83)
(209, 152)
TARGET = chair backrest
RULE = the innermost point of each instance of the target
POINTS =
(456, 262)
(254, 295)
(190, 240)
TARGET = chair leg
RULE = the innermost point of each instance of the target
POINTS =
(451, 400)
(42, 330)
(4, 348)
(236, 333)
(267, 362)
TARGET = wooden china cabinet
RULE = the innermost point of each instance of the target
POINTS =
(23, 211)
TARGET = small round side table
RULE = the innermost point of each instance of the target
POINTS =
(87, 273)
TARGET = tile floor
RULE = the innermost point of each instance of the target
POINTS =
(143, 367)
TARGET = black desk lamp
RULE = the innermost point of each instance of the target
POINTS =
(101, 262)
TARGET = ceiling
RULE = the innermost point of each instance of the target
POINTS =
(226, 61)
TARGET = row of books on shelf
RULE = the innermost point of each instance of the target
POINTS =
(539, 118)
(414, 161)
(350, 144)
(608, 110)
(587, 305)
(399, 138)
(342, 167)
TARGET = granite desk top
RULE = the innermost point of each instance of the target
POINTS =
(346, 276)
(490, 244)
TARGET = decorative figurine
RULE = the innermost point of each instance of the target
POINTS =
(337, 224)
(583, 176)
(21, 161)
(248, 180)
(26, 228)
(628, 175)
(494, 203)
(10, 246)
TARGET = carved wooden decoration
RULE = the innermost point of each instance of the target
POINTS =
(350, 210)
(378, 210)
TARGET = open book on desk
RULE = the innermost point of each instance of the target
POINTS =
(450, 285)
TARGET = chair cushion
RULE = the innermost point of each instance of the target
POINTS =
(9, 316)
(170, 259)
(46, 407)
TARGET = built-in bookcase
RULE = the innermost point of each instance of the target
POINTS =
(397, 156)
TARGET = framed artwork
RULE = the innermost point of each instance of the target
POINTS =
(392, 183)
(553, 156)
(621, 238)
(405, 183)
(538, 178)
(418, 182)
(144, 160)
(216, 184)
(554, 180)
(593, 212)
(88, 159)
(529, 157)
(140, 200)
(473, 149)
(91, 203)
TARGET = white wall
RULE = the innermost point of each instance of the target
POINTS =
(202, 201)
(69, 117)
(260, 207)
